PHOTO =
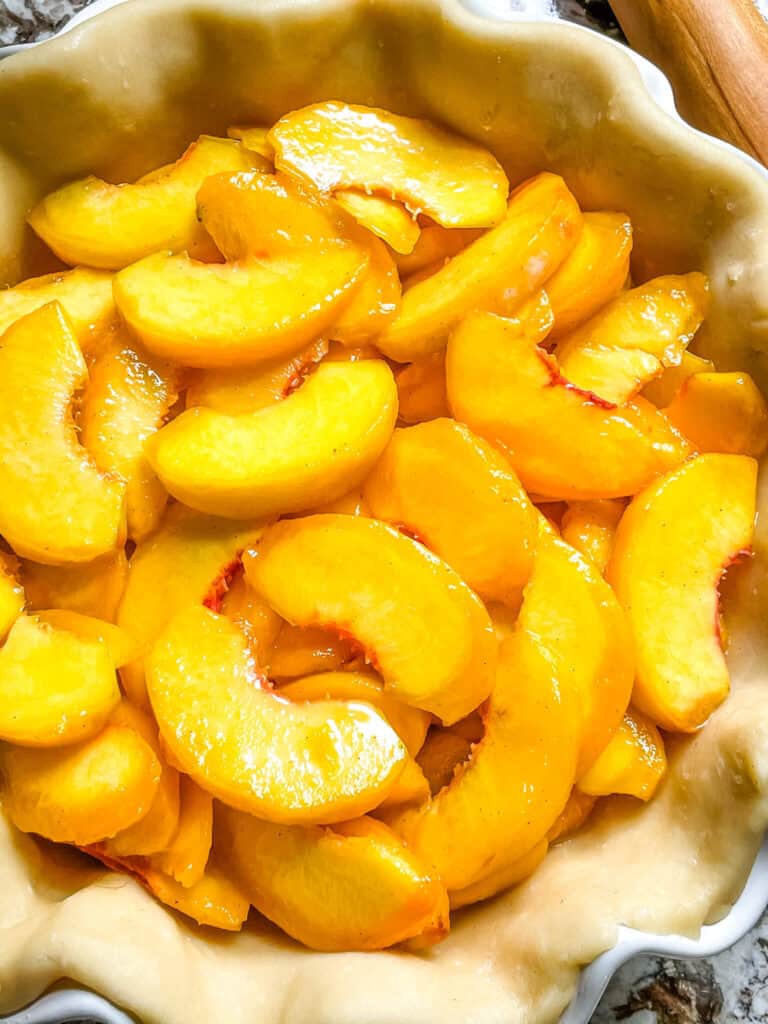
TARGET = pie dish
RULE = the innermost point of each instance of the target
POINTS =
(102, 98)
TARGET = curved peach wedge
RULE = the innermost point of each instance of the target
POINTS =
(460, 497)
(63, 508)
(721, 412)
(561, 441)
(91, 588)
(218, 315)
(384, 217)
(590, 526)
(634, 761)
(314, 446)
(673, 544)
(501, 878)
(11, 594)
(303, 763)
(434, 247)
(355, 886)
(421, 389)
(661, 390)
(306, 650)
(102, 225)
(55, 688)
(185, 857)
(424, 630)
(338, 145)
(81, 794)
(121, 647)
(213, 900)
(573, 815)
(499, 271)
(253, 616)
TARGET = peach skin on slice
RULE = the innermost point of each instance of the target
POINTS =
(634, 761)
(409, 723)
(312, 447)
(126, 400)
(562, 442)
(80, 794)
(91, 588)
(55, 688)
(384, 217)
(171, 569)
(459, 496)
(213, 900)
(11, 593)
(85, 296)
(303, 763)
(217, 315)
(351, 887)
(499, 271)
(673, 543)
(573, 815)
(593, 273)
(63, 509)
(101, 225)
(632, 339)
(590, 526)
(721, 412)
(500, 879)
(421, 389)
(186, 855)
(121, 647)
(340, 146)
(663, 389)
(423, 629)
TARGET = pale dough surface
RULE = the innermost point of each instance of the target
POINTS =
(127, 93)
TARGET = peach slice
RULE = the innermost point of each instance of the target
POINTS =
(411, 788)
(63, 508)
(186, 856)
(721, 412)
(11, 593)
(499, 271)
(306, 650)
(442, 753)
(502, 878)
(91, 588)
(421, 389)
(424, 630)
(432, 171)
(55, 688)
(218, 315)
(561, 441)
(573, 815)
(213, 900)
(435, 246)
(459, 496)
(255, 138)
(171, 569)
(593, 273)
(312, 447)
(409, 723)
(634, 761)
(635, 336)
(663, 389)
(126, 400)
(253, 616)
(590, 526)
(85, 296)
(80, 794)
(671, 548)
(303, 763)
(353, 887)
(248, 388)
(375, 302)
(101, 225)
(121, 647)
(384, 217)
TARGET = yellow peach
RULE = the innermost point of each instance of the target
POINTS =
(387, 219)
(663, 388)
(121, 647)
(63, 508)
(11, 593)
(255, 138)
(412, 787)
(721, 412)
(315, 445)
(671, 547)
(441, 755)
(421, 389)
(252, 615)
(375, 302)
(91, 588)
(186, 855)
(634, 761)
(213, 900)
(573, 815)
(434, 247)
(303, 763)
(306, 650)
(422, 628)
(590, 526)
(500, 879)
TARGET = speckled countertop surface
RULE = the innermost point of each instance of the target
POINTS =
(729, 988)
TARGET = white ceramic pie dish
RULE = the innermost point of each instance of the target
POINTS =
(655, 95)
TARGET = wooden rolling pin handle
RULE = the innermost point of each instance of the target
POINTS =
(715, 53)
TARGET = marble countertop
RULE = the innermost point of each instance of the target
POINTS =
(729, 988)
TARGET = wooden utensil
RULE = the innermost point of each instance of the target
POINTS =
(715, 53)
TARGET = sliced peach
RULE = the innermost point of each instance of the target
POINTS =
(432, 171)
(561, 441)
(421, 389)
(425, 631)
(456, 494)
(56, 688)
(80, 794)
(126, 400)
(634, 761)
(721, 412)
(663, 389)
(121, 647)
(355, 886)
(590, 526)
(101, 225)
(409, 723)
(502, 878)
(214, 315)
(673, 544)
(85, 296)
(63, 509)
(213, 900)
(305, 650)
(172, 568)
(634, 337)
(573, 815)
(248, 388)
(499, 271)
(387, 219)
(286, 762)
(91, 588)
(434, 246)
(314, 446)
(441, 755)
(375, 302)
(11, 593)
(186, 856)
(253, 616)
(593, 273)
(255, 138)
(412, 787)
